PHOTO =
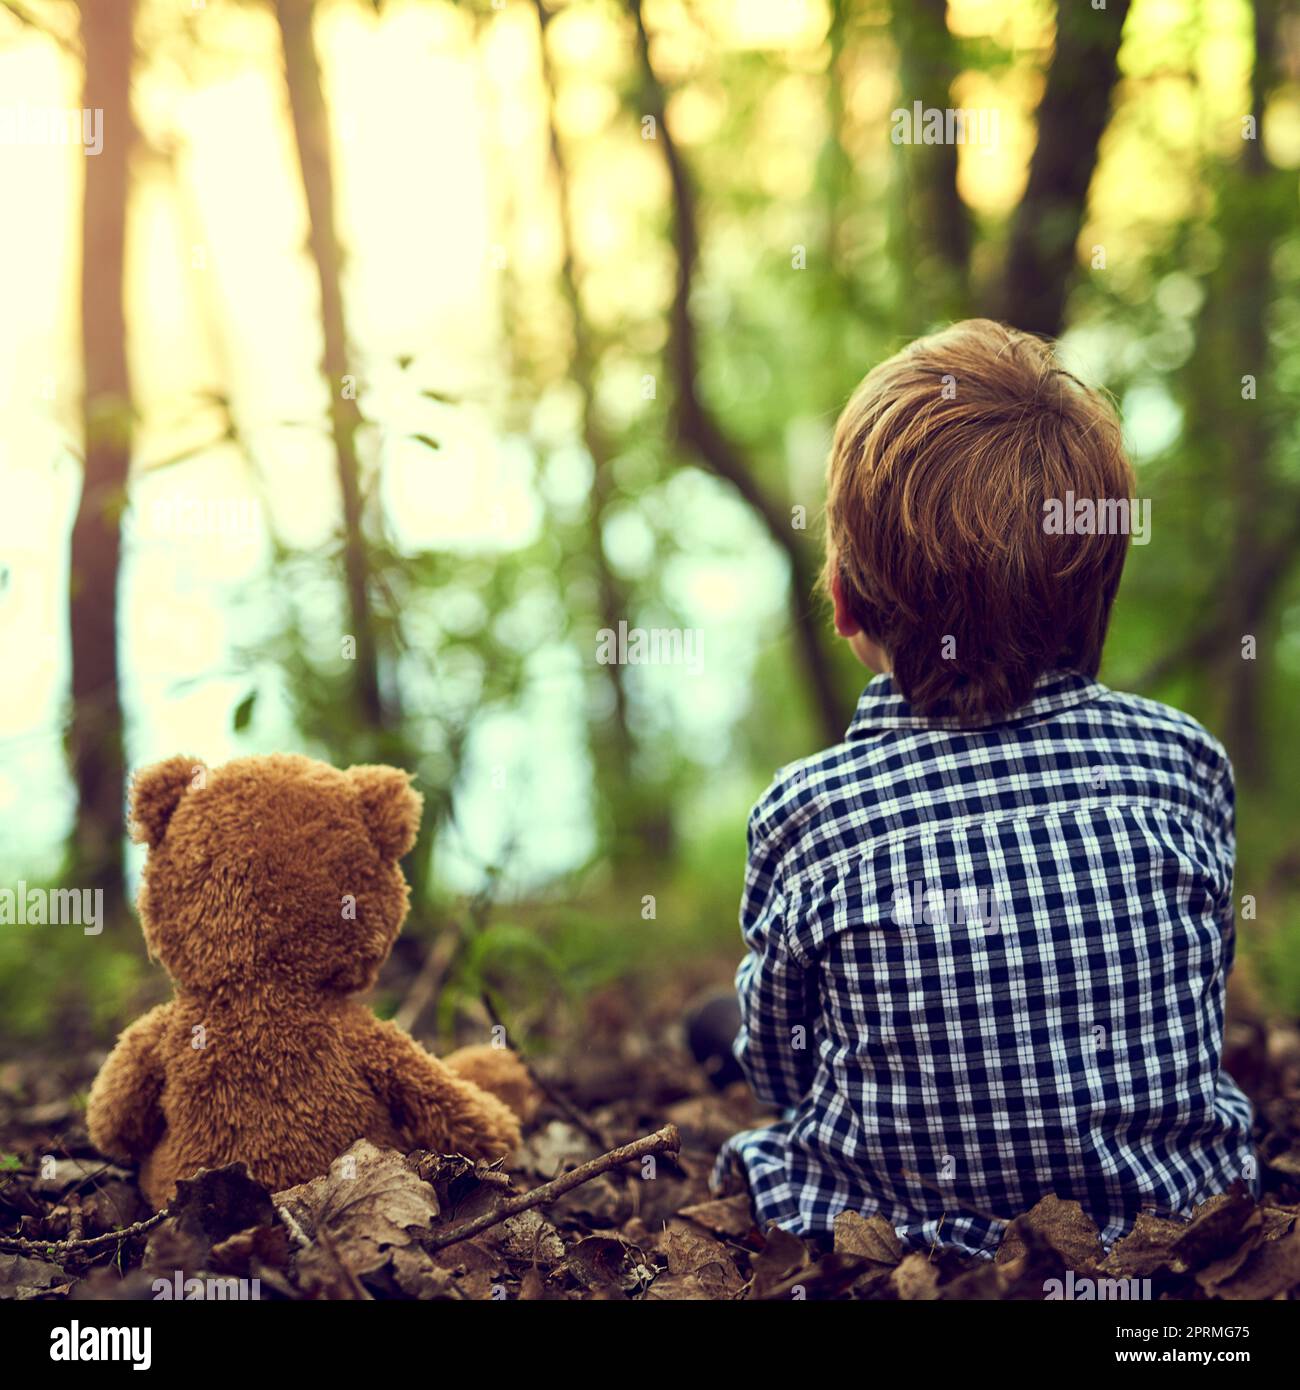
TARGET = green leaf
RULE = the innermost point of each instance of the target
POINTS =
(244, 712)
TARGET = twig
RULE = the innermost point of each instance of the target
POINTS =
(665, 1140)
(14, 1245)
(432, 973)
(76, 1217)
(561, 1103)
(424, 988)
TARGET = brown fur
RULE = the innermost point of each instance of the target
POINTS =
(262, 1056)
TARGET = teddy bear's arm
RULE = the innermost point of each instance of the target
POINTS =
(431, 1106)
(124, 1113)
(498, 1070)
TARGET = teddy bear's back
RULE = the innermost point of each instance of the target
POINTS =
(276, 1084)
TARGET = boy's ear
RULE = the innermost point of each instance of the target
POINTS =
(390, 805)
(845, 623)
(155, 794)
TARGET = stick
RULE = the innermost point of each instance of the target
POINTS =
(424, 988)
(665, 1140)
(14, 1245)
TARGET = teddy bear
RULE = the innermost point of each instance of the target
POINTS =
(271, 895)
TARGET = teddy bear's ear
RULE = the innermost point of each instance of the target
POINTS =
(390, 805)
(155, 794)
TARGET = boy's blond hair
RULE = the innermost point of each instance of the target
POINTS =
(943, 467)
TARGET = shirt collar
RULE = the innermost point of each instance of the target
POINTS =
(883, 706)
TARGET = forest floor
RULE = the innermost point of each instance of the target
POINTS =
(378, 1225)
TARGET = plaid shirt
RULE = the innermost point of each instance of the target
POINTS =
(988, 963)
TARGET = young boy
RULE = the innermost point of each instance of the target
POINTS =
(989, 932)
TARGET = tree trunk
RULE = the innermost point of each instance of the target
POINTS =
(1072, 117)
(95, 739)
(1237, 435)
(1246, 304)
(700, 431)
(312, 138)
(642, 825)
(936, 222)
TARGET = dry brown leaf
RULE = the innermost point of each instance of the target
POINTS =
(676, 1288)
(609, 1265)
(370, 1203)
(259, 1245)
(553, 1149)
(1146, 1250)
(1064, 1227)
(781, 1259)
(915, 1278)
(532, 1287)
(23, 1278)
(725, 1216)
(1270, 1268)
(689, 1251)
(871, 1237)
(528, 1236)
(705, 1122)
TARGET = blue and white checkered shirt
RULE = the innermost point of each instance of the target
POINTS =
(988, 963)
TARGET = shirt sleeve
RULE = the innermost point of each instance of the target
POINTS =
(777, 995)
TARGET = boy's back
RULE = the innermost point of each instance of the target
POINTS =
(990, 931)
(1006, 947)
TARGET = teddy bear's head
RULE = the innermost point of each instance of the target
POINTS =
(273, 869)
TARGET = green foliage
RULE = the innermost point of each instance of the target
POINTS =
(629, 525)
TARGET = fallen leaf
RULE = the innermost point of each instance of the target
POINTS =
(871, 1237)
(553, 1149)
(1066, 1229)
(690, 1251)
(782, 1257)
(22, 1277)
(1269, 1269)
(367, 1207)
(1146, 1250)
(608, 1264)
(915, 1278)
(725, 1216)
(57, 1177)
(528, 1236)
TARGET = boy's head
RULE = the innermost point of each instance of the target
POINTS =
(948, 466)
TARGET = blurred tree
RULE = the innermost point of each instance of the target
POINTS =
(1072, 117)
(311, 130)
(1248, 419)
(1236, 417)
(95, 732)
(640, 817)
(933, 234)
(702, 433)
